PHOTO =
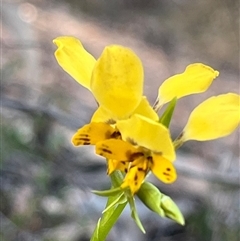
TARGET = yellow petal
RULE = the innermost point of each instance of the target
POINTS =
(147, 133)
(216, 117)
(163, 169)
(102, 115)
(195, 79)
(117, 81)
(115, 149)
(114, 165)
(136, 175)
(146, 110)
(91, 133)
(74, 59)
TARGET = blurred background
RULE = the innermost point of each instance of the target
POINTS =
(46, 182)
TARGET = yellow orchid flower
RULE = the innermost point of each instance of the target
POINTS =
(127, 131)
(146, 145)
(196, 78)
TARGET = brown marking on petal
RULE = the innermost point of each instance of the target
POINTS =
(116, 135)
(111, 122)
(166, 174)
(106, 150)
(135, 177)
(140, 169)
(86, 143)
(135, 183)
(104, 145)
(125, 170)
(135, 155)
(168, 169)
(130, 140)
(82, 139)
(150, 159)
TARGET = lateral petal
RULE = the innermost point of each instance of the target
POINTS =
(216, 117)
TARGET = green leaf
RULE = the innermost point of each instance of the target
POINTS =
(119, 200)
(134, 213)
(167, 115)
(151, 197)
(171, 210)
(107, 193)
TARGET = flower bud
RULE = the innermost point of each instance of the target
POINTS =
(151, 197)
(171, 210)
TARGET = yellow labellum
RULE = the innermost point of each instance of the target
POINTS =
(195, 79)
(92, 133)
(149, 134)
(216, 117)
(117, 81)
(115, 149)
(136, 175)
(74, 59)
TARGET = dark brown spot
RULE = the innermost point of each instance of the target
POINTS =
(166, 174)
(140, 169)
(168, 169)
(83, 139)
(86, 143)
(135, 177)
(135, 155)
(115, 135)
(126, 170)
(150, 159)
(106, 150)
